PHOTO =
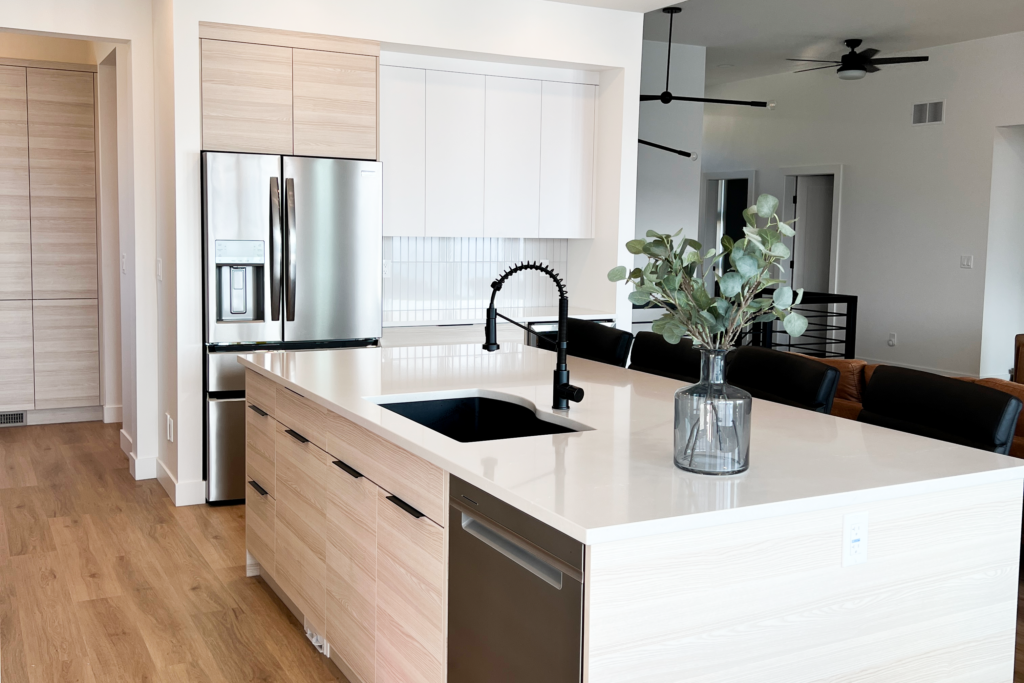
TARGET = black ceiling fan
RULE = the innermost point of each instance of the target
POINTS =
(856, 65)
(667, 97)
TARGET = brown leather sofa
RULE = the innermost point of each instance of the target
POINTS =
(855, 374)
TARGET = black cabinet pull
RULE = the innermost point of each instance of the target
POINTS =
(259, 489)
(354, 473)
(295, 435)
(405, 506)
(259, 411)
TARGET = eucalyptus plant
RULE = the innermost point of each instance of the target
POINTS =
(675, 276)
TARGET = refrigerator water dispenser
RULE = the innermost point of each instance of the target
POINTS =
(240, 280)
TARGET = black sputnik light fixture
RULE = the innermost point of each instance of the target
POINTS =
(668, 98)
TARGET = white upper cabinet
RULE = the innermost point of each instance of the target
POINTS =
(455, 154)
(567, 160)
(512, 152)
(403, 139)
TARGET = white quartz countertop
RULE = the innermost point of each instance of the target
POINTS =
(617, 480)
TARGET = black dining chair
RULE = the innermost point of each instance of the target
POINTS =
(941, 408)
(781, 377)
(594, 341)
(654, 355)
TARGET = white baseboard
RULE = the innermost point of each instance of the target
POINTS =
(141, 468)
(112, 414)
(126, 443)
(252, 567)
(922, 368)
(181, 492)
(58, 415)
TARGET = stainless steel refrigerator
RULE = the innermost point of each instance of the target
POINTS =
(292, 259)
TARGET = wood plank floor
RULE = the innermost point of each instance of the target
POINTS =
(103, 579)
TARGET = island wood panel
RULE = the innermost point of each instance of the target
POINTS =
(300, 547)
(301, 415)
(260, 514)
(769, 601)
(62, 183)
(334, 98)
(260, 461)
(261, 392)
(67, 357)
(247, 97)
(15, 233)
(352, 569)
(411, 597)
(416, 481)
(17, 380)
(273, 36)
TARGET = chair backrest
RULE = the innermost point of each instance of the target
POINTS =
(780, 377)
(1018, 359)
(940, 407)
(654, 355)
(594, 341)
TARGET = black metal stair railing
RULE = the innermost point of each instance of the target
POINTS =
(831, 328)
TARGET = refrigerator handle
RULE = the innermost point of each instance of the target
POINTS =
(276, 242)
(289, 204)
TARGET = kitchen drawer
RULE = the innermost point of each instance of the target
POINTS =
(261, 391)
(259, 526)
(300, 547)
(260, 461)
(411, 478)
(300, 414)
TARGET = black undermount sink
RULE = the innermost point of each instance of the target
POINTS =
(477, 418)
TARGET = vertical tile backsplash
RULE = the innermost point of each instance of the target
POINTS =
(447, 279)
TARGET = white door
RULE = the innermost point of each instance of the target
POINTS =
(512, 157)
(812, 252)
(403, 149)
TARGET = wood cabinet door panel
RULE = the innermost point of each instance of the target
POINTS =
(17, 381)
(62, 183)
(410, 597)
(512, 164)
(302, 415)
(247, 97)
(261, 391)
(67, 358)
(260, 461)
(259, 527)
(352, 569)
(567, 160)
(15, 235)
(335, 104)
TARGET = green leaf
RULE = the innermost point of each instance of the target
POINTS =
(635, 274)
(617, 273)
(635, 246)
(724, 307)
(639, 298)
(654, 234)
(700, 295)
(659, 325)
(799, 296)
(748, 215)
(783, 297)
(671, 282)
(766, 206)
(691, 257)
(746, 266)
(712, 253)
(786, 230)
(671, 335)
(655, 249)
(727, 243)
(765, 318)
(693, 244)
(795, 324)
(779, 250)
(730, 284)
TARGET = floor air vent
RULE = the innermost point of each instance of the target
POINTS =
(928, 112)
(11, 419)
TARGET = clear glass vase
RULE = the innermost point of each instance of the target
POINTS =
(712, 427)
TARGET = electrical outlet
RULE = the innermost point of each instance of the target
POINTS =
(387, 268)
(966, 261)
(892, 339)
(160, 269)
(124, 264)
(855, 538)
(170, 428)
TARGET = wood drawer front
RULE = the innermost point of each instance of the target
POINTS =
(302, 415)
(261, 391)
(67, 353)
(259, 526)
(335, 104)
(17, 386)
(260, 462)
(410, 597)
(411, 478)
(301, 526)
(352, 569)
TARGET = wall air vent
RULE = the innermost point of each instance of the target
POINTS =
(928, 112)
(12, 419)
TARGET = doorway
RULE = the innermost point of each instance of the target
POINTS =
(723, 200)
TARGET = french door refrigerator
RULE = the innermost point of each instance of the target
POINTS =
(292, 260)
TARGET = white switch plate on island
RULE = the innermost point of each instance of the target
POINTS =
(855, 538)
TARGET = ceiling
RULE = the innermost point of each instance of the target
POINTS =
(751, 38)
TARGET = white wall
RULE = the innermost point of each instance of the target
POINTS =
(109, 252)
(1004, 275)
(913, 198)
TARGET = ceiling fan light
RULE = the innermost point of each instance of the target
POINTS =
(851, 73)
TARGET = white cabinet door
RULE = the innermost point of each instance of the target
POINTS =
(455, 155)
(403, 142)
(512, 157)
(567, 160)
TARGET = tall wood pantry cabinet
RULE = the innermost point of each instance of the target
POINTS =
(49, 336)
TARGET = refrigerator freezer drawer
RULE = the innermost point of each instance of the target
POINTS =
(224, 373)
(225, 448)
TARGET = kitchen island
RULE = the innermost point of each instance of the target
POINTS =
(687, 578)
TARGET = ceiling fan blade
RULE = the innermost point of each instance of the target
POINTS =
(649, 98)
(822, 61)
(870, 68)
(867, 54)
(897, 60)
(709, 100)
(817, 68)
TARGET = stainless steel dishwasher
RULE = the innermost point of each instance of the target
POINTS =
(515, 594)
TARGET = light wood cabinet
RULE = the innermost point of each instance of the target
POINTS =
(403, 149)
(260, 521)
(352, 568)
(15, 234)
(567, 160)
(334, 102)
(17, 381)
(512, 164)
(62, 185)
(247, 97)
(67, 358)
(303, 416)
(260, 460)
(410, 596)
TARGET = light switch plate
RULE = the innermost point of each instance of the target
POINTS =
(966, 261)
(855, 538)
